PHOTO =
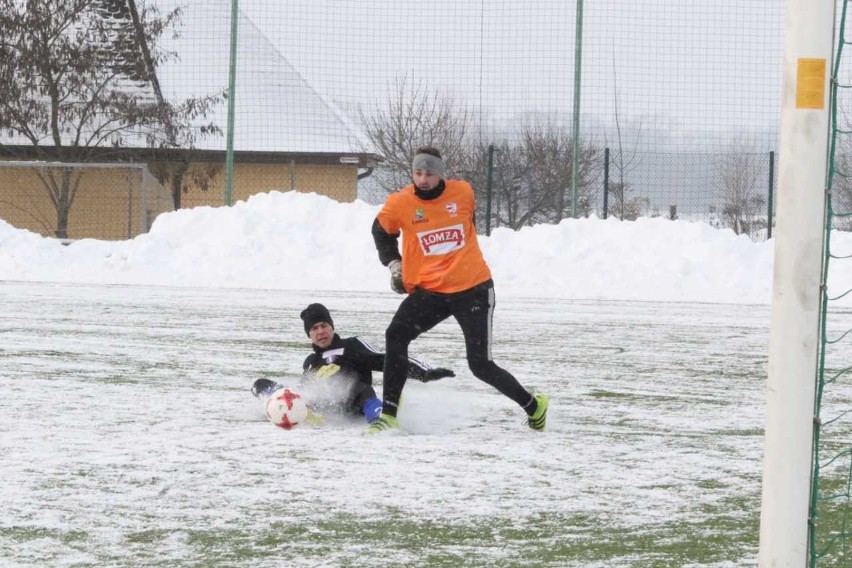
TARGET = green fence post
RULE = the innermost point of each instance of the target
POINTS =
(771, 195)
(575, 158)
(488, 187)
(606, 183)
(232, 72)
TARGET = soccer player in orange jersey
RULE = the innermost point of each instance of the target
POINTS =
(444, 274)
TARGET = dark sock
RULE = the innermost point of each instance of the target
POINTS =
(389, 408)
(531, 406)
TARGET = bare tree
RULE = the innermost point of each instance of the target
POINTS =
(737, 175)
(182, 175)
(547, 148)
(533, 171)
(77, 79)
(622, 161)
(628, 208)
(414, 116)
(509, 195)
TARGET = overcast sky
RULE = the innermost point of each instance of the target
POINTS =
(694, 80)
(703, 66)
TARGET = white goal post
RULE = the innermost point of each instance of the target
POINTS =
(794, 332)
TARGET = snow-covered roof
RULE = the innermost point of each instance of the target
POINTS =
(276, 110)
(123, 71)
(124, 58)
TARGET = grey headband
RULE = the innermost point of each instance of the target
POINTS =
(428, 162)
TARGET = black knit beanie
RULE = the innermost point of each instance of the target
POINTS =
(314, 314)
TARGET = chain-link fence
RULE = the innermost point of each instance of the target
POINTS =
(735, 191)
(76, 201)
(663, 105)
(656, 97)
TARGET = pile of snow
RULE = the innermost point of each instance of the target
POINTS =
(298, 241)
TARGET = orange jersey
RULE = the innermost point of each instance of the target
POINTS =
(440, 251)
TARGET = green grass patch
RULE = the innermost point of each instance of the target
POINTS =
(542, 541)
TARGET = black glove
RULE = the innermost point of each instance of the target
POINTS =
(435, 374)
(395, 268)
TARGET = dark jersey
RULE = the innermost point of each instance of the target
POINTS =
(357, 359)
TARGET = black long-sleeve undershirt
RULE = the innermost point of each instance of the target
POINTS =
(387, 245)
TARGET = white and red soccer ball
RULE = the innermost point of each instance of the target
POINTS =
(286, 409)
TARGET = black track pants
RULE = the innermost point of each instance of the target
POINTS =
(420, 312)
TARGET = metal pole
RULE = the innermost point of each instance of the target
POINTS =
(129, 205)
(143, 215)
(232, 72)
(488, 187)
(497, 208)
(578, 58)
(606, 183)
(771, 194)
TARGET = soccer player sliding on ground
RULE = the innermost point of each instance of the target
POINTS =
(338, 375)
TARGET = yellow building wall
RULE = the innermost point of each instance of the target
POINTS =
(340, 182)
(108, 204)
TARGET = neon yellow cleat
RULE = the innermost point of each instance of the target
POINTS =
(314, 419)
(383, 423)
(539, 418)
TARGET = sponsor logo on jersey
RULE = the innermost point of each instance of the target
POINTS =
(453, 208)
(441, 241)
(420, 217)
